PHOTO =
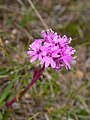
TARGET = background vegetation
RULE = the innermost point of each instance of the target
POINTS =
(63, 95)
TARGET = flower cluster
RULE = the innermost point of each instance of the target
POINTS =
(52, 50)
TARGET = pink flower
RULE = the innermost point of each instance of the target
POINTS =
(52, 50)
(35, 50)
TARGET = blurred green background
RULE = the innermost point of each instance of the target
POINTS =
(63, 95)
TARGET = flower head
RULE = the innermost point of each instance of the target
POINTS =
(52, 50)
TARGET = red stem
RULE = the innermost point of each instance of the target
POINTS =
(34, 79)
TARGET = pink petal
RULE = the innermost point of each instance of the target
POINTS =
(44, 53)
(40, 40)
(54, 55)
(55, 48)
(44, 34)
(53, 64)
(50, 33)
(33, 47)
(34, 58)
(31, 53)
(43, 60)
(64, 39)
(40, 57)
(47, 63)
(55, 39)
(67, 65)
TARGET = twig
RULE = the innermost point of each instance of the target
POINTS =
(21, 3)
(38, 14)
(24, 30)
(33, 116)
(14, 10)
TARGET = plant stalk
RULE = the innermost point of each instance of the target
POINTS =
(36, 76)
